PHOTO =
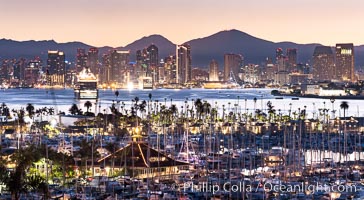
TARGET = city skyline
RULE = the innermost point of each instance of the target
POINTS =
(118, 23)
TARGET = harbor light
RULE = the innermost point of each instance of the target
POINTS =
(53, 122)
(130, 86)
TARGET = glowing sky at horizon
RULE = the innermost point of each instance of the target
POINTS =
(120, 22)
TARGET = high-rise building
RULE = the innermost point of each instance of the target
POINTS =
(106, 69)
(32, 72)
(81, 59)
(279, 53)
(119, 61)
(93, 60)
(323, 64)
(251, 73)
(214, 71)
(56, 68)
(345, 62)
(292, 60)
(153, 59)
(184, 62)
(5, 70)
(153, 62)
(232, 64)
(170, 69)
(19, 69)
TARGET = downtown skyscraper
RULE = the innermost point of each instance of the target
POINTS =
(291, 60)
(81, 59)
(323, 65)
(119, 61)
(345, 64)
(184, 62)
(232, 65)
(56, 68)
(153, 62)
(214, 71)
(93, 60)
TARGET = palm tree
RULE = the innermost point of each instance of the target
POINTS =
(86, 151)
(51, 111)
(2, 107)
(30, 110)
(199, 107)
(88, 105)
(74, 109)
(24, 158)
(345, 106)
(150, 100)
(36, 183)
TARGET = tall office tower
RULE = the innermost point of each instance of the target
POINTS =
(184, 62)
(81, 59)
(140, 67)
(19, 68)
(119, 61)
(5, 70)
(279, 53)
(170, 69)
(345, 62)
(161, 72)
(214, 71)
(232, 64)
(323, 64)
(106, 69)
(93, 60)
(291, 60)
(139, 56)
(153, 62)
(153, 58)
(251, 73)
(32, 72)
(56, 68)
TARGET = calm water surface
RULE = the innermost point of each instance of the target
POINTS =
(62, 99)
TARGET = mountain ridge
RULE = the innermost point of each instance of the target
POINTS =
(204, 49)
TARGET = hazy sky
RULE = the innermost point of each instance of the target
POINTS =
(119, 22)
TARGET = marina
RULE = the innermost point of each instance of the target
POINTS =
(172, 144)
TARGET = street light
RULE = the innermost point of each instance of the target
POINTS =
(332, 100)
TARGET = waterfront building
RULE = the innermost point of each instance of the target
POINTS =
(56, 68)
(345, 62)
(251, 73)
(232, 64)
(299, 78)
(184, 63)
(199, 75)
(323, 64)
(214, 71)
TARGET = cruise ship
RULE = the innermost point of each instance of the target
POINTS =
(86, 87)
